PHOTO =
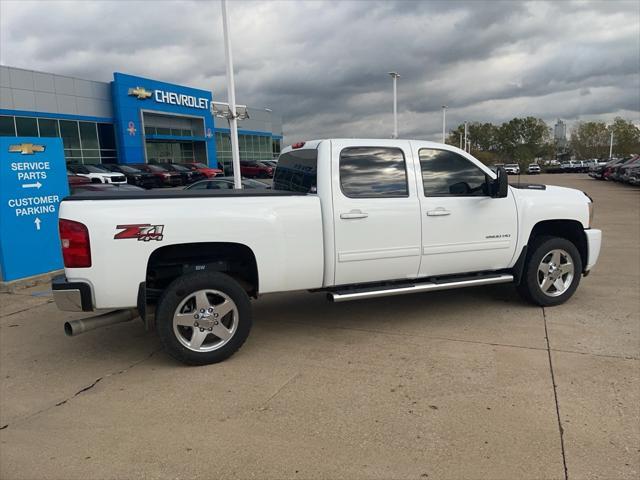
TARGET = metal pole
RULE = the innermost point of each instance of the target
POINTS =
(465, 136)
(460, 135)
(444, 123)
(611, 146)
(231, 93)
(395, 77)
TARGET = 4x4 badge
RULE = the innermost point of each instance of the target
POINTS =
(142, 231)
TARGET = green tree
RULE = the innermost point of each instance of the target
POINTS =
(626, 137)
(590, 140)
(523, 139)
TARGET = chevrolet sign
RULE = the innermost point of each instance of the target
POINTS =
(181, 99)
(172, 98)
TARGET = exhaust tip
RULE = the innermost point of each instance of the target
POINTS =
(68, 329)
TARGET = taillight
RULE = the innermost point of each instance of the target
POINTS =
(76, 250)
(298, 145)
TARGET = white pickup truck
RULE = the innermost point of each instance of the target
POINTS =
(354, 218)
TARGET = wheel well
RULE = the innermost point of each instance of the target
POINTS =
(572, 230)
(168, 263)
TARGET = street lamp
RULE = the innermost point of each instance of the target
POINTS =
(231, 89)
(611, 146)
(395, 77)
(444, 122)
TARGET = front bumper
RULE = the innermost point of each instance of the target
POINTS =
(594, 241)
(71, 296)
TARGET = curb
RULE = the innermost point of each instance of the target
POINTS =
(14, 285)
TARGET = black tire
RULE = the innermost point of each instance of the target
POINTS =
(529, 286)
(186, 285)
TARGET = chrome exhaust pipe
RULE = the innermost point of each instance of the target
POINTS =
(76, 327)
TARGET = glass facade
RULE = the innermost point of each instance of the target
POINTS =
(94, 142)
(252, 148)
(83, 142)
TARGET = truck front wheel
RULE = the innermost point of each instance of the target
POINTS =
(203, 318)
(552, 272)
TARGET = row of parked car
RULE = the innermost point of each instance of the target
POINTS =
(155, 175)
(624, 170)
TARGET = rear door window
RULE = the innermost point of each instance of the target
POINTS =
(297, 171)
(371, 172)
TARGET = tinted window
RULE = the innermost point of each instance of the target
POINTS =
(373, 172)
(48, 127)
(297, 171)
(447, 174)
(27, 127)
(7, 128)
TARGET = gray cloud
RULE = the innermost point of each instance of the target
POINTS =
(323, 65)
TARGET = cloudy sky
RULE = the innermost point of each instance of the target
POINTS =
(323, 65)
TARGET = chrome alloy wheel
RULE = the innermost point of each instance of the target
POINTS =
(205, 320)
(555, 273)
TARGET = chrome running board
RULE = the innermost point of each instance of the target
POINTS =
(357, 294)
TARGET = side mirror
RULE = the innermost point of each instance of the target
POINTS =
(500, 185)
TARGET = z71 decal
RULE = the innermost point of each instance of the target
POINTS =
(142, 231)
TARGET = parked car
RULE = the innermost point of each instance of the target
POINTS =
(167, 178)
(96, 174)
(596, 169)
(533, 169)
(208, 172)
(512, 168)
(353, 225)
(255, 170)
(270, 163)
(618, 172)
(609, 168)
(74, 179)
(134, 175)
(224, 183)
(633, 176)
(186, 175)
(104, 187)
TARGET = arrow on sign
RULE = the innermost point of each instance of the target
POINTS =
(32, 185)
(37, 221)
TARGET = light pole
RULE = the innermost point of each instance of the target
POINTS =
(231, 94)
(395, 77)
(611, 146)
(444, 122)
(465, 136)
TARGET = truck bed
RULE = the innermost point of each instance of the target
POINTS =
(164, 194)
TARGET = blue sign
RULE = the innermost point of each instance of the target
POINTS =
(134, 96)
(33, 181)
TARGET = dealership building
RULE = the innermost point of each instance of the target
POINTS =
(129, 120)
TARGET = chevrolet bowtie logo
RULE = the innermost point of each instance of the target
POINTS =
(26, 148)
(140, 92)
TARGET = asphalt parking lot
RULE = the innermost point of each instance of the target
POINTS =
(458, 384)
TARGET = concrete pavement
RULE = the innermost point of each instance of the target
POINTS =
(454, 384)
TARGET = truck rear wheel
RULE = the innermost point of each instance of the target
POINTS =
(203, 318)
(552, 272)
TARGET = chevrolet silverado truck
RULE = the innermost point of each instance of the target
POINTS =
(356, 219)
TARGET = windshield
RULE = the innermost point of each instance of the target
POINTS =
(128, 169)
(156, 168)
(94, 169)
(179, 168)
(199, 165)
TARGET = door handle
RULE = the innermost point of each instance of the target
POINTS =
(438, 212)
(353, 214)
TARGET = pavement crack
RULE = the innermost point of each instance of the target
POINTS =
(266, 402)
(84, 389)
(555, 396)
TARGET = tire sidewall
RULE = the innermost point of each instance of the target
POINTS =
(542, 249)
(182, 287)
